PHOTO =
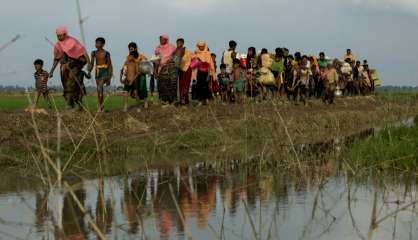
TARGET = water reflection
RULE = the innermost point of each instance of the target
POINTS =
(226, 201)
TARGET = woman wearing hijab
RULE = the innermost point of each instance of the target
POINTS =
(167, 73)
(73, 57)
(185, 71)
(204, 72)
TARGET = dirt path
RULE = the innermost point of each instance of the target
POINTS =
(198, 129)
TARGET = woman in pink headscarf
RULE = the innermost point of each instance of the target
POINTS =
(167, 72)
(73, 57)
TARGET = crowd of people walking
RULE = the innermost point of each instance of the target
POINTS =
(183, 73)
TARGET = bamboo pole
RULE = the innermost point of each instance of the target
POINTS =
(4, 46)
(81, 21)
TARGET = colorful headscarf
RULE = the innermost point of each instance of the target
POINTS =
(61, 30)
(165, 51)
(203, 56)
(70, 46)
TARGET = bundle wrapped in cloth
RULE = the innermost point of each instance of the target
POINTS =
(375, 78)
(146, 67)
(266, 77)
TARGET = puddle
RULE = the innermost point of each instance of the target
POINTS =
(210, 202)
(217, 201)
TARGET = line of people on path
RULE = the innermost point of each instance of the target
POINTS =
(178, 70)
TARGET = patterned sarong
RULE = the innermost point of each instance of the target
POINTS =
(167, 82)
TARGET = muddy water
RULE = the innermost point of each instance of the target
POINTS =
(214, 202)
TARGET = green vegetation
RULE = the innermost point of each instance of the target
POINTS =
(399, 97)
(16, 102)
(20, 102)
(274, 132)
(392, 149)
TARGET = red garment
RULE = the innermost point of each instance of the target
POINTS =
(184, 82)
(214, 86)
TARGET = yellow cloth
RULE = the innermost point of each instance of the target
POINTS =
(266, 77)
(350, 56)
(103, 66)
(266, 61)
(227, 60)
(140, 58)
(331, 76)
(204, 56)
(295, 64)
(186, 60)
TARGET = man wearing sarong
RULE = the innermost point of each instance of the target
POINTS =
(365, 84)
(302, 75)
(288, 73)
(134, 81)
(73, 57)
(357, 77)
(277, 68)
(185, 71)
(330, 76)
(104, 69)
(167, 73)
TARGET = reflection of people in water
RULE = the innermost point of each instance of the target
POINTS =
(41, 210)
(134, 198)
(251, 185)
(206, 193)
(74, 226)
(281, 187)
(235, 194)
(104, 210)
(164, 206)
(186, 199)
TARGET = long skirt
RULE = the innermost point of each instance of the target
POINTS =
(167, 83)
(72, 79)
(138, 89)
(184, 82)
(202, 86)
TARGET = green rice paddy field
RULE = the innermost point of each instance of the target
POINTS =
(20, 102)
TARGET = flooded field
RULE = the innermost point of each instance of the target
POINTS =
(228, 201)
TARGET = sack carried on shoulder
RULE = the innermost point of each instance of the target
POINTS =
(266, 77)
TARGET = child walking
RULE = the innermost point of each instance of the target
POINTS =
(224, 83)
(41, 82)
(104, 70)
(238, 79)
